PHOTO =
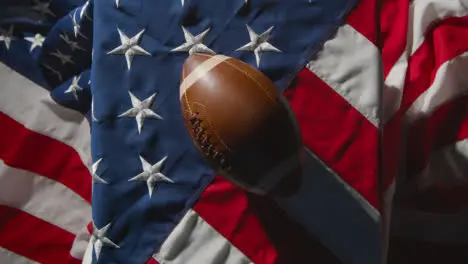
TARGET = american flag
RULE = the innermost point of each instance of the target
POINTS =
(90, 114)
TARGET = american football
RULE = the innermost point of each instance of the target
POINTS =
(240, 123)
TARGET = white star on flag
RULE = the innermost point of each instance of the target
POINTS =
(76, 26)
(7, 37)
(64, 59)
(36, 41)
(72, 44)
(194, 43)
(74, 87)
(141, 110)
(94, 175)
(258, 44)
(99, 239)
(42, 8)
(83, 11)
(129, 47)
(93, 117)
(52, 70)
(151, 174)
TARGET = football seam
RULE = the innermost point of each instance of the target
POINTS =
(189, 107)
(185, 93)
(252, 79)
(213, 129)
(245, 73)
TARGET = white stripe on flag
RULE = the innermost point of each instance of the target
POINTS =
(80, 244)
(394, 84)
(423, 13)
(32, 106)
(447, 166)
(88, 255)
(195, 241)
(9, 257)
(43, 198)
(348, 63)
(450, 82)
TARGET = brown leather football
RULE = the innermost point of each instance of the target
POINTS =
(241, 123)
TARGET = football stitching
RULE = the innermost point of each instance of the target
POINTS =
(212, 127)
(203, 136)
(204, 107)
(210, 149)
(205, 143)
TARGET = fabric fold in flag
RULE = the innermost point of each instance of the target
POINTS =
(91, 109)
(278, 39)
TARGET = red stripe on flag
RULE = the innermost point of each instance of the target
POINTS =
(391, 149)
(89, 227)
(444, 41)
(34, 238)
(28, 150)
(445, 126)
(239, 224)
(363, 18)
(393, 27)
(337, 133)
(393, 30)
(256, 227)
(152, 261)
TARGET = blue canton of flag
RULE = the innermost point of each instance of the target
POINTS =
(153, 172)
(127, 55)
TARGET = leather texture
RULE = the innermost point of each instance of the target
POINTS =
(240, 123)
